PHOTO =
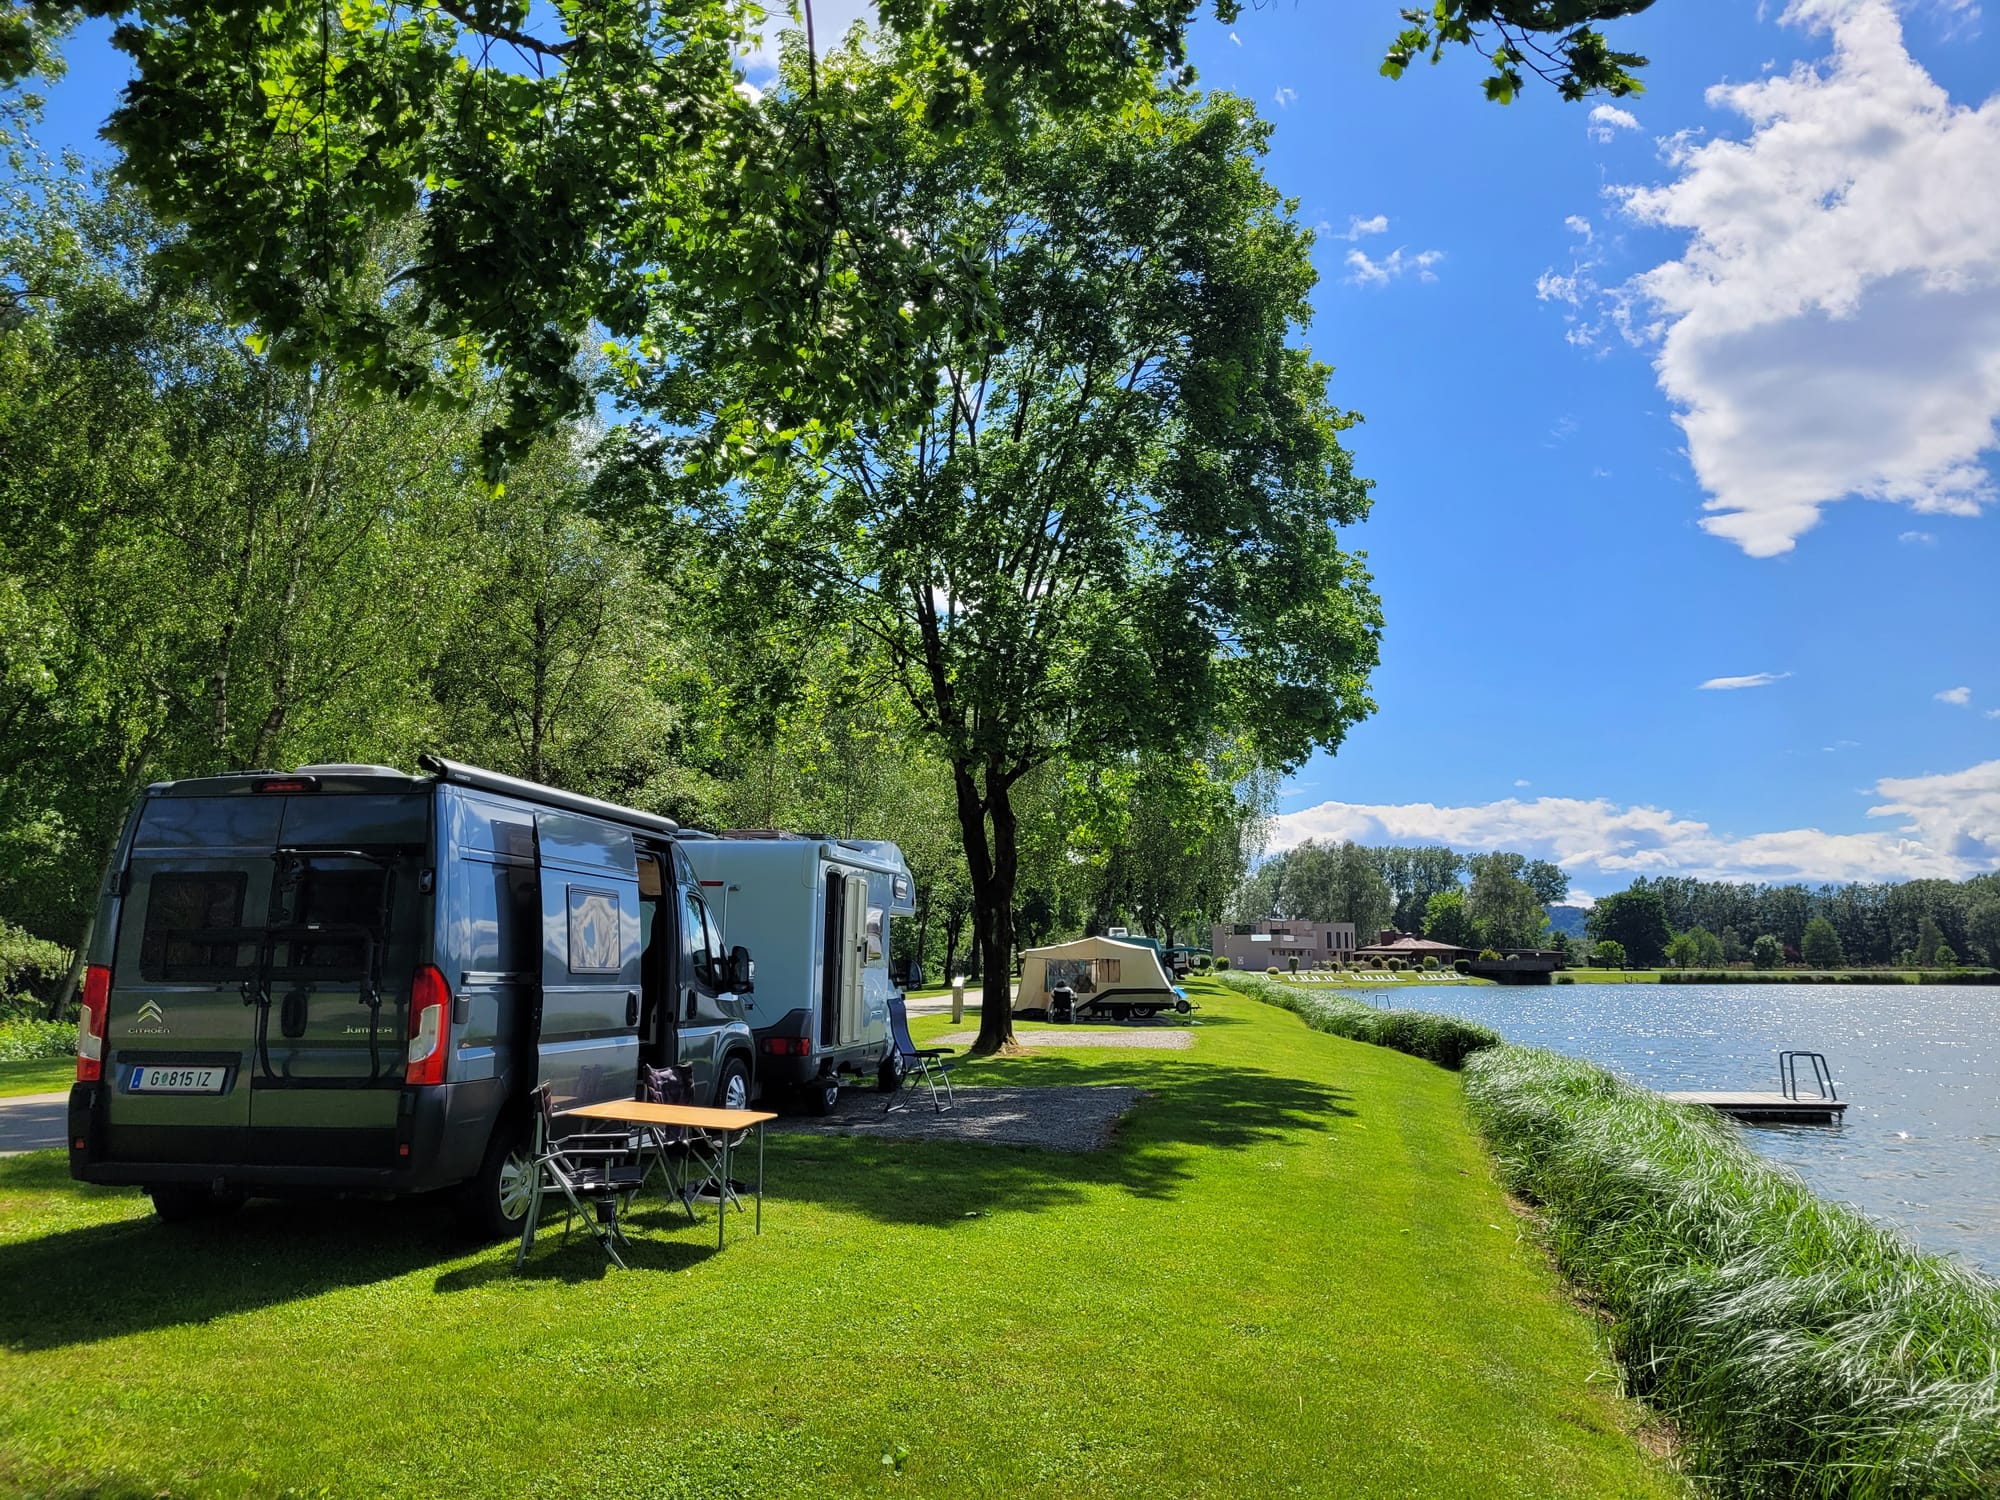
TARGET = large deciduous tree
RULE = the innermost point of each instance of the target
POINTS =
(587, 165)
(1636, 919)
(1109, 524)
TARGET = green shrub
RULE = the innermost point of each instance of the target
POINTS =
(1445, 1040)
(1221, 965)
(1271, 969)
(1395, 966)
(1430, 963)
(26, 1039)
(1489, 956)
(1461, 965)
(1799, 1348)
(32, 969)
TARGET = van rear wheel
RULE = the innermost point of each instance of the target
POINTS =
(492, 1205)
(187, 1202)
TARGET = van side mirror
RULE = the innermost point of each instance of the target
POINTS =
(742, 970)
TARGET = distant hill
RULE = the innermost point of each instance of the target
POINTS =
(1567, 919)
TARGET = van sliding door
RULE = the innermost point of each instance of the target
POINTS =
(587, 1043)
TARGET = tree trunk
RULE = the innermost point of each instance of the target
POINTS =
(992, 864)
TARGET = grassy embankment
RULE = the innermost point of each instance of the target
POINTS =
(37, 1075)
(1799, 1349)
(1293, 1272)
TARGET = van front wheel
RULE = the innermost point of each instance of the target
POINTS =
(493, 1203)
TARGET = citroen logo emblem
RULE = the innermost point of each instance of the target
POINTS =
(150, 1014)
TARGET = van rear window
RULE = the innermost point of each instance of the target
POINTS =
(338, 899)
(184, 914)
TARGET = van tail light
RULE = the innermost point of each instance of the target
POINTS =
(90, 1024)
(430, 1015)
(788, 1046)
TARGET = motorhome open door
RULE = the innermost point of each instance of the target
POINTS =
(854, 954)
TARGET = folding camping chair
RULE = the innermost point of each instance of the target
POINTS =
(594, 1170)
(667, 1149)
(920, 1065)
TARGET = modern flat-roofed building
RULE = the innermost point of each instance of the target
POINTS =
(1276, 941)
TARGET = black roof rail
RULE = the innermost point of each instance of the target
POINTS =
(459, 774)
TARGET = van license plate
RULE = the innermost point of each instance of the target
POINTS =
(176, 1080)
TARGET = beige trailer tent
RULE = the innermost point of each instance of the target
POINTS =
(1109, 978)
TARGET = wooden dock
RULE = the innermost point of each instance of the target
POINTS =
(1767, 1107)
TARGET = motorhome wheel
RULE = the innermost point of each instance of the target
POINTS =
(185, 1202)
(492, 1204)
(821, 1096)
(732, 1090)
(889, 1076)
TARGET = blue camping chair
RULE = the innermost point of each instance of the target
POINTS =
(917, 1065)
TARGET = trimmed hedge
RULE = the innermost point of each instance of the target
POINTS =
(1444, 1040)
(1800, 1349)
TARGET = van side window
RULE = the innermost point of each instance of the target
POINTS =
(596, 937)
(874, 936)
(180, 909)
(701, 954)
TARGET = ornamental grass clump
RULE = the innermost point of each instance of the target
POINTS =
(1444, 1040)
(1800, 1348)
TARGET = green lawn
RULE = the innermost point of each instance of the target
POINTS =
(1292, 1274)
(41, 1076)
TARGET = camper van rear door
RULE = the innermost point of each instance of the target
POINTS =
(588, 1049)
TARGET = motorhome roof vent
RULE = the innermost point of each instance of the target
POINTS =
(768, 833)
(345, 769)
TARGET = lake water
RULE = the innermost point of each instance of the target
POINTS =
(1920, 1146)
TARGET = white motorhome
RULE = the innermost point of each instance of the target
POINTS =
(823, 908)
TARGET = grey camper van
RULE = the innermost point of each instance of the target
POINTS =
(350, 978)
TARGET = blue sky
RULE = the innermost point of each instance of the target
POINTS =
(1792, 241)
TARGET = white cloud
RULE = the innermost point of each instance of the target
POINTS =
(1923, 537)
(1607, 120)
(1363, 270)
(1993, 713)
(1957, 697)
(1519, 782)
(1235, 38)
(1357, 227)
(1285, 97)
(1832, 329)
(1579, 225)
(1754, 679)
(1946, 826)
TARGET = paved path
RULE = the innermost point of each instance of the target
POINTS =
(1054, 1119)
(33, 1122)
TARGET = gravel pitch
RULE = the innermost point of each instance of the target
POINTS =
(1053, 1119)
(1167, 1041)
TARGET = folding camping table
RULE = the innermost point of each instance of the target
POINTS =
(714, 1126)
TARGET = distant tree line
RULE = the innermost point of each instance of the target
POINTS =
(1704, 923)
(1497, 900)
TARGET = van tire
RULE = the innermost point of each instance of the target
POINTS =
(734, 1072)
(484, 1201)
(190, 1202)
(821, 1096)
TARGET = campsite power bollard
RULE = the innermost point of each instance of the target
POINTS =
(958, 1000)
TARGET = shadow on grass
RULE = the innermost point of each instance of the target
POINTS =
(1190, 1108)
(103, 1281)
